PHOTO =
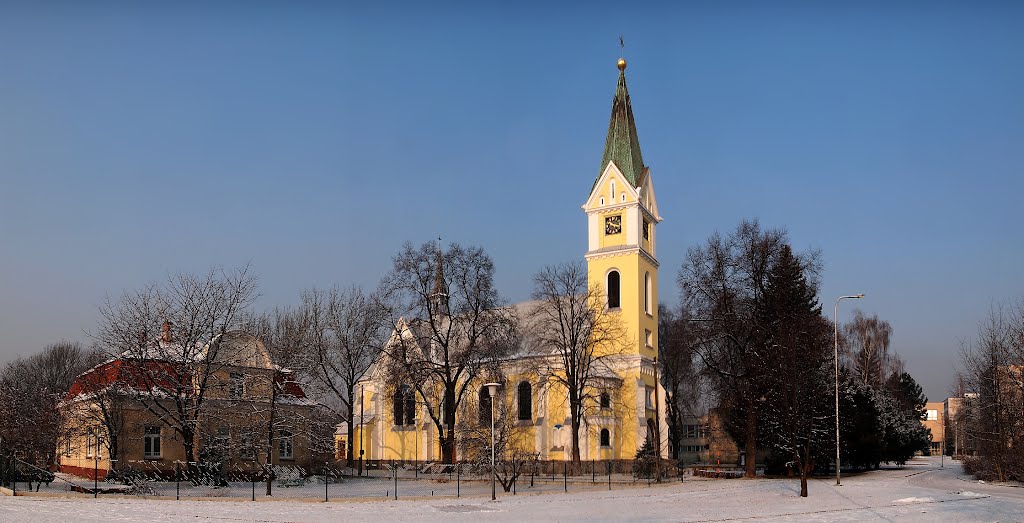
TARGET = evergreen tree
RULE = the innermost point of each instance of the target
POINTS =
(795, 422)
(643, 462)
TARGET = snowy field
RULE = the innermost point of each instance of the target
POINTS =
(919, 492)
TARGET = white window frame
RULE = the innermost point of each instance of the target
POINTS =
(286, 445)
(151, 437)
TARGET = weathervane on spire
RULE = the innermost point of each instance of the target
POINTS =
(622, 48)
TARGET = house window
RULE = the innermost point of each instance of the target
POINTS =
(248, 447)
(606, 438)
(236, 389)
(647, 294)
(649, 337)
(89, 445)
(695, 431)
(613, 290)
(649, 395)
(286, 449)
(647, 230)
(932, 415)
(613, 191)
(606, 401)
(485, 406)
(525, 402)
(151, 443)
(67, 448)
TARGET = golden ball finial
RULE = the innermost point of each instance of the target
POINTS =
(622, 64)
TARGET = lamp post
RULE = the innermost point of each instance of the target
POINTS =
(492, 389)
(942, 443)
(362, 427)
(836, 326)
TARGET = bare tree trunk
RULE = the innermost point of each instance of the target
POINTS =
(750, 468)
(575, 441)
(349, 451)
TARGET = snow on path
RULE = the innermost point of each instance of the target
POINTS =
(881, 495)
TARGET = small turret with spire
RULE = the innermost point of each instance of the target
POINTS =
(439, 296)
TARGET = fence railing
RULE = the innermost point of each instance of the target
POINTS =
(377, 479)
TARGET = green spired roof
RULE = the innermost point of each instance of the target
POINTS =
(622, 145)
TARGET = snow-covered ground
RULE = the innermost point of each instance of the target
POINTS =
(919, 492)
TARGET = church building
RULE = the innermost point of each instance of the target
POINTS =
(629, 407)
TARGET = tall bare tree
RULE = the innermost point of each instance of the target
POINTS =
(449, 322)
(723, 283)
(347, 332)
(570, 324)
(993, 417)
(30, 390)
(679, 373)
(181, 323)
(866, 339)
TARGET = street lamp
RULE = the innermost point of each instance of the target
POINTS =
(362, 427)
(492, 389)
(836, 326)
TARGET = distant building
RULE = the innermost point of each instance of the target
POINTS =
(241, 397)
(705, 441)
(935, 420)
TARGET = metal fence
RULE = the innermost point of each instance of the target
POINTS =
(376, 479)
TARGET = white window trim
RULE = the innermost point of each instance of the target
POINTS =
(149, 438)
(286, 443)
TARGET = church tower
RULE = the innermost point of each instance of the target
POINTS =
(622, 218)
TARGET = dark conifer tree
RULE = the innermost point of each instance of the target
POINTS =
(795, 420)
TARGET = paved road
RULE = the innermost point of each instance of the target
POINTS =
(952, 479)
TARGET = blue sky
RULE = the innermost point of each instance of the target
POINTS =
(313, 139)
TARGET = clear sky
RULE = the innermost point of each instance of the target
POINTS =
(312, 139)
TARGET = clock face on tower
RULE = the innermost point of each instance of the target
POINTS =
(613, 224)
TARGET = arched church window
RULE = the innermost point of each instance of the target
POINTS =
(396, 406)
(403, 405)
(647, 292)
(606, 438)
(410, 405)
(606, 401)
(613, 290)
(485, 406)
(613, 191)
(525, 401)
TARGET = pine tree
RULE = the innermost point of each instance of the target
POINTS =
(643, 462)
(795, 423)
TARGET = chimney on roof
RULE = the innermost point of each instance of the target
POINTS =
(165, 332)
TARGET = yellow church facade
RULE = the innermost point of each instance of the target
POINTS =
(627, 406)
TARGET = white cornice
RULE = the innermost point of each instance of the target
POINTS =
(625, 249)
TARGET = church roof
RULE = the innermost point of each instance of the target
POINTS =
(622, 145)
